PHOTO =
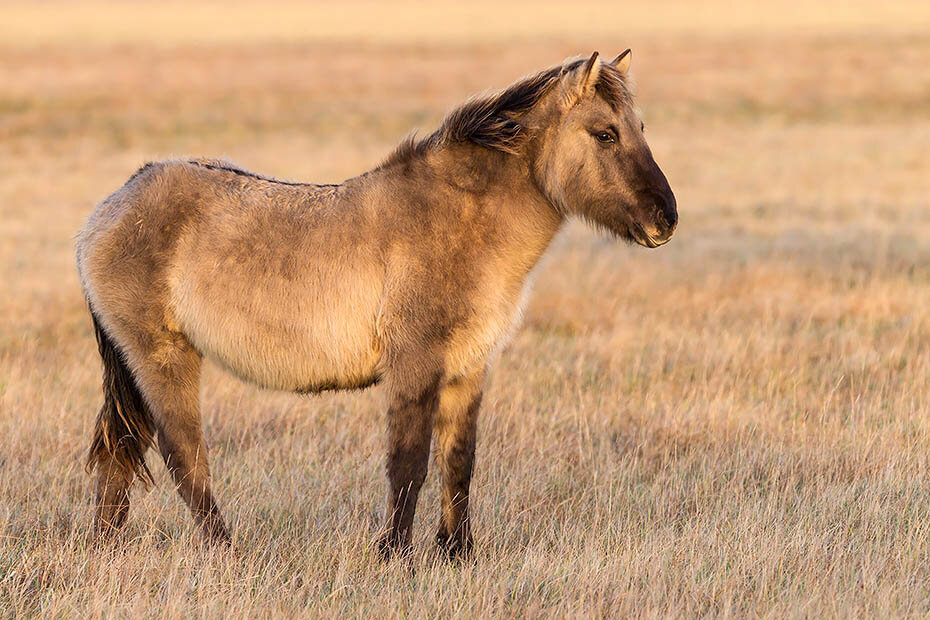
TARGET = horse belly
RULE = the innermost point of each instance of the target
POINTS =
(301, 339)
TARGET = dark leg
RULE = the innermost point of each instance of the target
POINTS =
(113, 483)
(456, 426)
(185, 455)
(410, 426)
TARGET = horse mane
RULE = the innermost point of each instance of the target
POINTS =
(492, 120)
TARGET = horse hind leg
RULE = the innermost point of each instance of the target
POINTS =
(122, 434)
(170, 380)
(166, 376)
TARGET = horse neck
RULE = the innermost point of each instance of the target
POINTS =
(502, 195)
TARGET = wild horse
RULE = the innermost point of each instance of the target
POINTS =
(413, 274)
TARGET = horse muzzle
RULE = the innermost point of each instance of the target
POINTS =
(660, 228)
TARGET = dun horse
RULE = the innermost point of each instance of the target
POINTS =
(412, 274)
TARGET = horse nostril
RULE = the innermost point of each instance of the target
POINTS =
(667, 215)
(670, 210)
(666, 209)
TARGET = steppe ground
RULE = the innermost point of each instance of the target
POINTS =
(733, 425)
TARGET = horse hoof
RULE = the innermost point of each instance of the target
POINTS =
(456, 548)
(389, 549)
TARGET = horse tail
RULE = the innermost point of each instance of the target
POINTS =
(124, 429)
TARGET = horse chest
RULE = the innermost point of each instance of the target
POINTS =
(478, 342)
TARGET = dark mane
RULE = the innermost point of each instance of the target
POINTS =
(492, 120)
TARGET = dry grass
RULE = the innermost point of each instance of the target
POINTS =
(733, 425)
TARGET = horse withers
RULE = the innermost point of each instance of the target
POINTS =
(412, 274)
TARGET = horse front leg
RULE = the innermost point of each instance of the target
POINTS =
(410, 428)
(456, 430)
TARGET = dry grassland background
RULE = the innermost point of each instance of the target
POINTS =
(735, 424)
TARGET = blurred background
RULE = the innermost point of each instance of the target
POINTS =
(734, 424)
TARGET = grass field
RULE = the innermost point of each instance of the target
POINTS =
(733, 425)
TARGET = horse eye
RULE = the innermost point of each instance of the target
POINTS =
(642, 126)
(604, 136)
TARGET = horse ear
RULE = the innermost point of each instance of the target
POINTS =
(586, 78)
(622, 62)
(589, 74)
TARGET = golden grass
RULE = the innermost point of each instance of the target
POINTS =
(733, 425)
(213, 22)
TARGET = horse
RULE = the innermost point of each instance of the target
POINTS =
(413, 274)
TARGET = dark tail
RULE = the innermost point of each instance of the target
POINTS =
(124, 429)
